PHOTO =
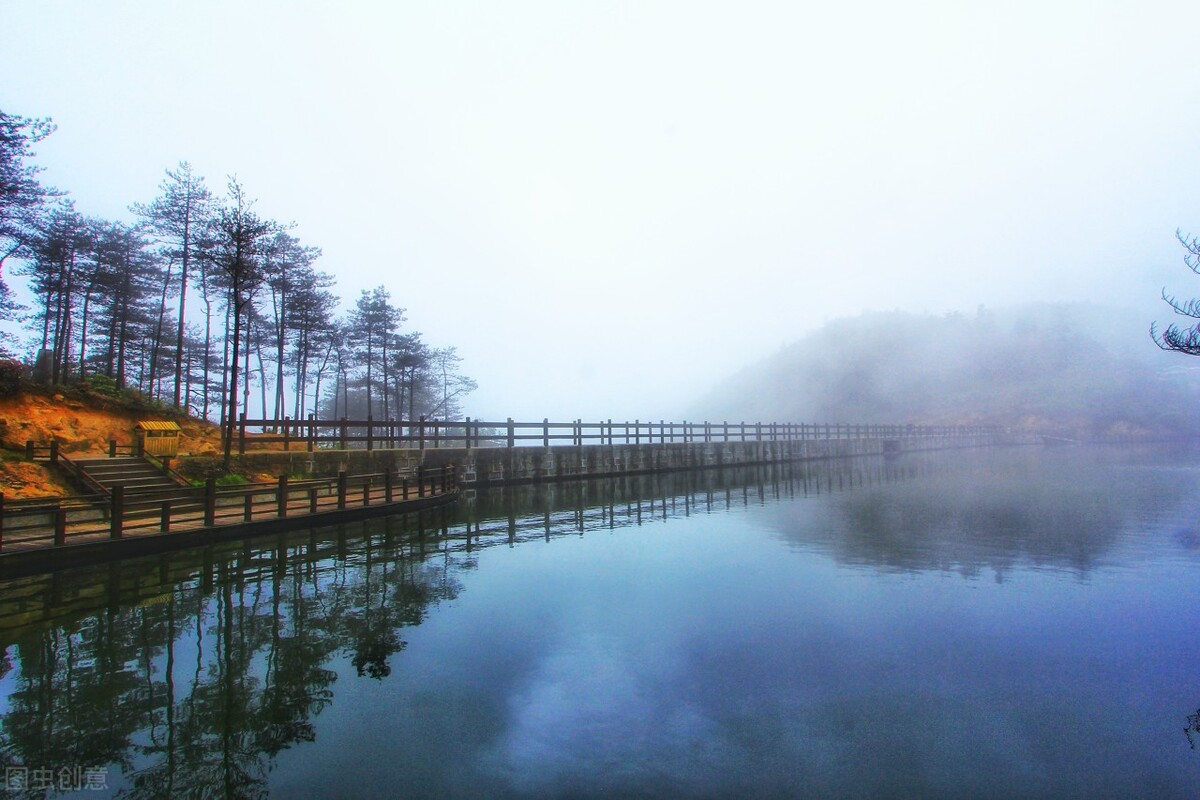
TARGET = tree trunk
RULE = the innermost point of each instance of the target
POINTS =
(187, 246)
(231, 413)
(158, 333)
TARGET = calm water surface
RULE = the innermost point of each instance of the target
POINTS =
(1005, 623)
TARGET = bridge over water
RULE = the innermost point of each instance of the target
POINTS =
(489, 452)
(390, 462)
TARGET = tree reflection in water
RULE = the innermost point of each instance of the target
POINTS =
(196, 690)
(189, 674)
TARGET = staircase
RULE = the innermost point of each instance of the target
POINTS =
(131, 472)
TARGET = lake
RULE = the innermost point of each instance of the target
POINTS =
(1008, 622)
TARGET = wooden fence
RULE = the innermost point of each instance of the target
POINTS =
(117, 512)
(371, 434)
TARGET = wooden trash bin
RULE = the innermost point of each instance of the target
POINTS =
(158, 438)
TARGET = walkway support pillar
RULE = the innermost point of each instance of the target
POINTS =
(116, 512)
(210, 502)
(281, 496)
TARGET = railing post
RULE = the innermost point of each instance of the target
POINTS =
(312, 499)
(511, 436)
(54, 451)
(281, 496)
(422, 432)
(404, 488)
(367, 492)
(286, 433)
(29, 449)
(758, 432)
(312, 431)
(1, 521)
(60, 526)
(370, 433)
(421, 481)
(467, 434)
(342, 434)
(112, 448)
(116, 512)
(387, 483)
(341, 489)
(446, 472)
(545, 431)
(248, 506)
(164, 521)
(210, 502)
(241, 434)
(437, 434)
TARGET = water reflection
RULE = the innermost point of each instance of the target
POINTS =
(191, 674)
(188, 673)
(996, 511)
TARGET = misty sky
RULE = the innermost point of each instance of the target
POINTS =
(608, 207)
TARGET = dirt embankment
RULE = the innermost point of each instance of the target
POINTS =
(80, 425)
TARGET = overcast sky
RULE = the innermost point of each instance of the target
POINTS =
(607, 207)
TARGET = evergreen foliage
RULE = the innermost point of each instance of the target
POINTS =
(110, 306)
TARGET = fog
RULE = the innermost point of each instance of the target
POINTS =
(609, 208)
(1068, 370)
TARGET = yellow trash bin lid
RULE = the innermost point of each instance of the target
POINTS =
(159, 437)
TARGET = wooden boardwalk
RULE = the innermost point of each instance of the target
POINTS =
(423, 434)
(50, 530)
(131, 518)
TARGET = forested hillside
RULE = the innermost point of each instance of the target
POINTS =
(1070, 369)
(199, 302)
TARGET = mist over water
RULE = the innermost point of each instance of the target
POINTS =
(1075, 370)
(1003, 622)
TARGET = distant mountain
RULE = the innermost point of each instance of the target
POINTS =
(1070, 369)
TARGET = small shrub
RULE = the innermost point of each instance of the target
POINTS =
(12, 374)
(102, 385)
(232, 479)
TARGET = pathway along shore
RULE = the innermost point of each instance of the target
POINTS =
(41, 535)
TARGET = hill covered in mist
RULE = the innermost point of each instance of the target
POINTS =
(1071, 369)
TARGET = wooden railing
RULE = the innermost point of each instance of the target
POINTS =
(79, 474)
(54, 522)
(164, 465)
(422, 434)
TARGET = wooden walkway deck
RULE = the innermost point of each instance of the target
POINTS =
(66, 530)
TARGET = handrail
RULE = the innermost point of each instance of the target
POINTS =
(164, 465)
(80, 474)
(423, 433)
(24, 523)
